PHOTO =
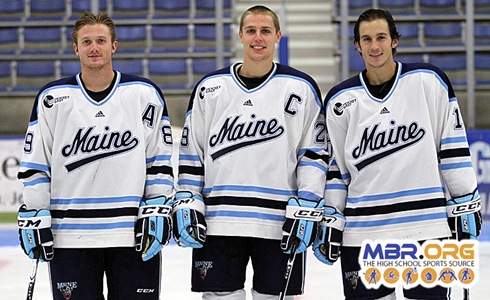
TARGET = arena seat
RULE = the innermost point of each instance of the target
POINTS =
(482, 33)
(205, 37)
(133, 66)
(42, 40)
(203, 66)
(356, 63)
(5, 75)
(409, 34)
(207, 8)
(409, 58)
(438, 7)
(11, 10)
(399, 7)
(9, 40)
(81, 6)
(131, 38)
(453, 64)
(130, 9)
(48, 9)
(443, 34)
(482, 68)
(169, 73)
(169, 38)
(32, 75)
(69, 68)
(172, 8)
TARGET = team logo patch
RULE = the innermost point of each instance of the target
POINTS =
(204, 90)
(202, 268)
(352, 277)
(66, 288)
(49, 101)
(339, 108)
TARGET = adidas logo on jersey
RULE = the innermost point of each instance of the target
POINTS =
(248, 103)
(384, 111)
(100, 114)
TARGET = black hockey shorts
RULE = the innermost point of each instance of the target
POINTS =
(79, 273)
(221, 265)
(355, 289)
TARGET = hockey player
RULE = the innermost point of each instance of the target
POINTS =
(97, 175)
(399, 147)
(252, 169)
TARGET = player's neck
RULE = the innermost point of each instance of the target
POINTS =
(97, 80)
(377, 76)
(255, 70)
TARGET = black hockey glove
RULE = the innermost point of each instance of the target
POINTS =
(464, 216)
(154, 226)
(326, 246)
(302, 217)
(36, 238)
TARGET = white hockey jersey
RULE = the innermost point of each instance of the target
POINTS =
(395, 160)
(247, 151)
(90, 163)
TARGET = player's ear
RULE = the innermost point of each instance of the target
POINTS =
(75, 48)
(358, 47)
(394, 43)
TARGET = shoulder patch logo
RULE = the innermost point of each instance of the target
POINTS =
(100, 114)
(339, 107)
(248, 103)
(384, 111)
(49, 101)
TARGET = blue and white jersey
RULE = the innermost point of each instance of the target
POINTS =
(90, 163)
(247, 151)
(396, 160)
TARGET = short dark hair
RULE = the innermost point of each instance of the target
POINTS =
(261, 10)
(375, 14)
(89, 18)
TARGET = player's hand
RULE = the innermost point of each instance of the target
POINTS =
(464, 216)
(36, 238)
(300, 225)
(326, 246)
(189, 222)
(154, 226)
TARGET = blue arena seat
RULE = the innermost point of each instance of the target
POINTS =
(81, 6)
(482, 68)
(480, 6)
(356, 63)
(11, 9)
(453, 64)
(131, 38)
(49, 9)
(5, 76)
(9, 40)
(169, 73)
(443, 34)
(203, 66)
(172, 8)
(409, 58)
(134, 66)
(170, 38)
(207, 8)
(399, 7)
(482, 33)
(438, 7)
(409, 34)
(130, 9)
(205, 37)
(42, 40)
(69, 68)
(32, 75)
(355, 7)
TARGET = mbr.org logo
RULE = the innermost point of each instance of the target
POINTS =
(404, 262)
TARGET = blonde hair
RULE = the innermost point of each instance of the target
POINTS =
(89, 18)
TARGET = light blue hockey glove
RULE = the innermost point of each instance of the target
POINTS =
(302, 217)
(36, 238)
(464, 216)
(326, 246)
(189, 223)
(154, 226)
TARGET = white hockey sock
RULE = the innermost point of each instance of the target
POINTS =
(258, 296)
(235, 295)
